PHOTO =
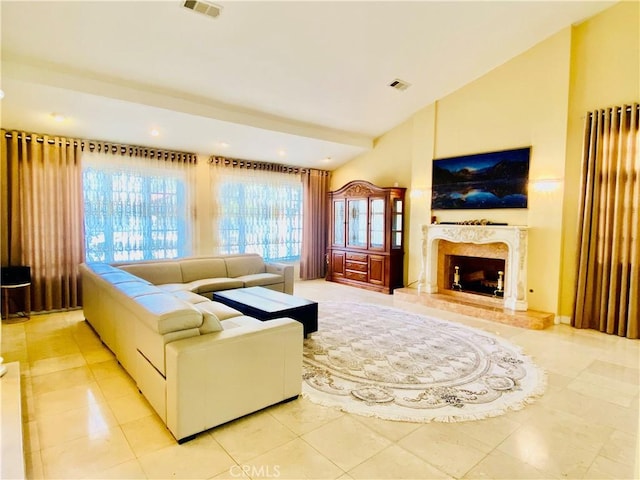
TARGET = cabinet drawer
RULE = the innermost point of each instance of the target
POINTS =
(361, 277)
(359, 267)
(358, 257)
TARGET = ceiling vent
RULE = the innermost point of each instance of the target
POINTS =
(399, 84)
(203, 7)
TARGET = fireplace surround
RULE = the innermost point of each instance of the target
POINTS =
(509, 243)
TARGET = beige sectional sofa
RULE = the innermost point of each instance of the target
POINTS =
(199, 363)
(205, 275)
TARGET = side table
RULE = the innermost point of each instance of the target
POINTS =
(6, 289)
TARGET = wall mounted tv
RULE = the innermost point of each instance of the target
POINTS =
(483, 180)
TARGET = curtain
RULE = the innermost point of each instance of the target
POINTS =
(608, 281)
(42, 215)
(314, 233)
(138, 206)
(256, 208)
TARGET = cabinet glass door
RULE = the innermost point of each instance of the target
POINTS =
(338, 223)
(376, 225)
(396, 223)
(357, 211)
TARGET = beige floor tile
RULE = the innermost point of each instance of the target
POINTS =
(622, 448)
(202, 457)
(107, 369)
(61, 380)
(52, 346)
(129, 470)
(130, 407)
(56, 364)
(85, 456)
(627, 388)
(603, 393)
(490, 431)
(395, 462)
(253, 435)
(116, 387)
(59, 401)
(616, 372)
(498, 465)
(147, 435)
(551, 455)
(604, 468)
(96, 354)
(295, 460)
(302, 415)
(346, 442)
(63, 427)
(442, 447)
(391, 430)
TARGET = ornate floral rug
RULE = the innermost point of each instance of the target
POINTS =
(384, 362)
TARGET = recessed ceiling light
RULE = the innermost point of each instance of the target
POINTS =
(1, 94)
(58, 117)
(327, 159)
(154, 132)
(282, 152)
(223, 145)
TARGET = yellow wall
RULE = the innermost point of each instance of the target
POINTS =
(605, 71)
(537, 99)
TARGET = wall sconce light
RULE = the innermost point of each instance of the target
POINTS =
(546, 185)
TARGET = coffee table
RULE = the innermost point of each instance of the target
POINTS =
(265, 304)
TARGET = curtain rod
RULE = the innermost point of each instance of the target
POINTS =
(270, 167)
(114, 148)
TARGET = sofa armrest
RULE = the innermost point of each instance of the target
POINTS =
(218, 377)
(286, 271)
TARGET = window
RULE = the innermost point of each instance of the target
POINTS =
(258, 212)
(134, 209)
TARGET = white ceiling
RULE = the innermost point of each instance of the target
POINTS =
(307, 78)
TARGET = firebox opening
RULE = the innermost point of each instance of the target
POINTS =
(482, 276)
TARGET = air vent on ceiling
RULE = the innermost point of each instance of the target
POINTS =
(399, 84)
(203, 7)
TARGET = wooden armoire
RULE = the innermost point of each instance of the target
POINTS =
(366, 231)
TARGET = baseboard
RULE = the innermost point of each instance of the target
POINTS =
(563, 319)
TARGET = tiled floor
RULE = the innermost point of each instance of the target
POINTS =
(84, 418)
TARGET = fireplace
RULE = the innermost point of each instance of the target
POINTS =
(491, 261)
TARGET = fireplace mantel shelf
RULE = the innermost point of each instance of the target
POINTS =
(514, 236)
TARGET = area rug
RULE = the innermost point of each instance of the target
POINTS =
(387, 363)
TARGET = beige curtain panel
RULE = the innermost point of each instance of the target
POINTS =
(42, 220)
(608, 282)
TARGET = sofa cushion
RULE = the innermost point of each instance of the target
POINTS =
(175, 287)
(136, 289)
(244, 265)
(165, 313)
(260, 279)
(223, 312)
(198, 268)
(158, 273)
(190, 297)
(118, 276)
(215, 284)
(210, 321)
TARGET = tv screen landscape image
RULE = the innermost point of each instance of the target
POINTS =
(483, 180)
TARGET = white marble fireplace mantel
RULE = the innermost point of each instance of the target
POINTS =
(515, 237)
